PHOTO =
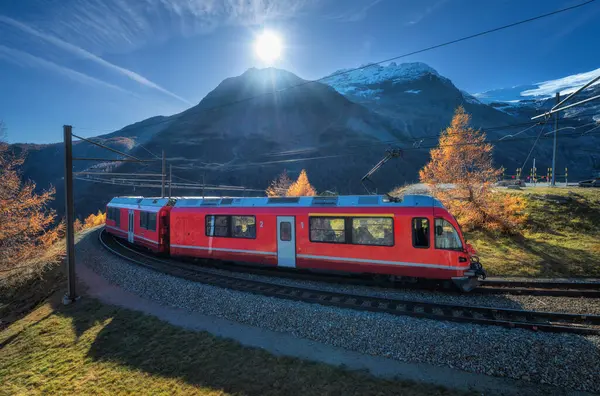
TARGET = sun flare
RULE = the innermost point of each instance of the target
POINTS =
(268, 47)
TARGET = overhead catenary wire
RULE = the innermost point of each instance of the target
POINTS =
(535, 143)
(248, 165)
(347, 71)
(107, 148)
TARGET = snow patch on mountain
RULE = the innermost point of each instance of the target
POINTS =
(350, 81)
(565, 85)
(469, 98)
(413, 91)
(539, 91)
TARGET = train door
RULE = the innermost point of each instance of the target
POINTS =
(286, 241)
(130, 227)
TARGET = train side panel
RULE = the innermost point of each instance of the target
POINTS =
(188, 236)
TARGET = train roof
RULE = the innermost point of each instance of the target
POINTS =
(342, 201)
(139, 201)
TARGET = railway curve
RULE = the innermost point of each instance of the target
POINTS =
(511, 318)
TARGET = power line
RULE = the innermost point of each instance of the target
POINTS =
(575, 135)
(444, 44)
(415, 140)
(535, 143)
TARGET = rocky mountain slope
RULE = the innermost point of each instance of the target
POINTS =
(240, 134)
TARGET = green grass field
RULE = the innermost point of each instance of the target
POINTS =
(560, 239)
(91, 348)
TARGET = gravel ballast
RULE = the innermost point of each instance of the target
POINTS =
(567, 361)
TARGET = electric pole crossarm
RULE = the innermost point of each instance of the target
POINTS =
(111, 160)
(566, 107)
(118, 174)
(575, 93)
(106, 147)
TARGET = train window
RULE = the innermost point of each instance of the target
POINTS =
(143, 219)
(217, 226)
(377, 231)
(243, 227)
(446, 236)
(420, 232)
(151, 222)
(327, 229)
(285, 231)
(113, 214)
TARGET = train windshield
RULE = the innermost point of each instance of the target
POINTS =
(446, 236)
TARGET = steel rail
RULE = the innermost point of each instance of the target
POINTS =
(511, 318)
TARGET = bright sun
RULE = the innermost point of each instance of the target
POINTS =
(268, 47)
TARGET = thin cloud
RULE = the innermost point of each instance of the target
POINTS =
(355, 14)
(124, 25)
(419, 17)
(80, 52)
(25, 59)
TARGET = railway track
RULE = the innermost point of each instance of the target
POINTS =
(562, 289)
(512, 318)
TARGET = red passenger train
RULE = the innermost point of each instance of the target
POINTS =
(414, 237)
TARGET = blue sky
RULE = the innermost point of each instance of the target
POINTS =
(102, 64)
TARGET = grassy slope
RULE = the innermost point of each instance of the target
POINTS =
(90, 348)
(561, 240)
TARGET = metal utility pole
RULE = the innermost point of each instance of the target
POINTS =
(554, 146)
(71, 296)
(170, 178)
(164, 171)
(68, 134)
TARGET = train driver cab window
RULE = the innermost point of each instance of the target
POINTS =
(446, 236)
(285, 231)
(420, 232)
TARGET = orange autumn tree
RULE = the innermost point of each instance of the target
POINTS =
(94, 220)
(279, 186)
(301, 187)
(25, 220)
(464, 160)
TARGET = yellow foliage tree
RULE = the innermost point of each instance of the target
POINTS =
(464, 160)
(279, 186)
(25, 221)
(77, 225)
(301, 187)
(94, 220)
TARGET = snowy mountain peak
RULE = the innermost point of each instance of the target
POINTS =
(347, 80)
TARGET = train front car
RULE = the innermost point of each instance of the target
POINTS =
(404, 239)
(453, 251)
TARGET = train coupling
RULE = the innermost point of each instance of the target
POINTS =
(471, 277)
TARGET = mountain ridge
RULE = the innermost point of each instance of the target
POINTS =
(241, 133)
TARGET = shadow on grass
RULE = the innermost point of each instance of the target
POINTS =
(144, 343)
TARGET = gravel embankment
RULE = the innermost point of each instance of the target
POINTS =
(589, 306)
(567, 361)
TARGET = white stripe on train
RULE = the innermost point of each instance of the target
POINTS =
(134, 235)
(330, 258)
